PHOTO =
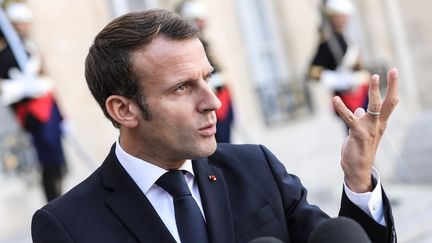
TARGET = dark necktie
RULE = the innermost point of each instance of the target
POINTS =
(190, 222)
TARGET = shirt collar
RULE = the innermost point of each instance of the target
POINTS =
(142, 172)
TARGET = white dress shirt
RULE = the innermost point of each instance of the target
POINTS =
(370, 202)
(145, 175)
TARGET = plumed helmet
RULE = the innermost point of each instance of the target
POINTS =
(19, 13)
(339, 7)
(193, 10)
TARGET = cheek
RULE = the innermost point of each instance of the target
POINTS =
(181, 120)
(172, 114)
(173, 109)
(172, 117)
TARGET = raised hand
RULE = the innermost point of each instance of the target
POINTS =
(365, 131)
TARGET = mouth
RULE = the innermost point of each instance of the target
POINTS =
(208, 130)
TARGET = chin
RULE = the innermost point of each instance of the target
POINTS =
(209, 148)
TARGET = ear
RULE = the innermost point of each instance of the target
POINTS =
(122, 110)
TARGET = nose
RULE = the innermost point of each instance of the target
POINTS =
(208, 100)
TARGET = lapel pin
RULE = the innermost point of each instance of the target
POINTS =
(212, 178)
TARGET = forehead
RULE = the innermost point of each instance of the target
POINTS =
(165, 57)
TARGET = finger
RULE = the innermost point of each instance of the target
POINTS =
(374, 104)
(345, 114)
(359, 112)
(391, 97)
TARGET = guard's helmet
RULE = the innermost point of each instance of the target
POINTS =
(19, 13)
(339, 7)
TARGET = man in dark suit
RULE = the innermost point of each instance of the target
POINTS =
(149, 73)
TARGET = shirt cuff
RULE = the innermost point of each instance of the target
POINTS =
(370, 202)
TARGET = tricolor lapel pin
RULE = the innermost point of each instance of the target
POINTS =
(212, 178)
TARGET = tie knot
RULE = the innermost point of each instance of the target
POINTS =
(174, 183)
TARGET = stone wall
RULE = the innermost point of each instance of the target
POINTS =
(418, 24)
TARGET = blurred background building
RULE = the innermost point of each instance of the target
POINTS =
(264, 48)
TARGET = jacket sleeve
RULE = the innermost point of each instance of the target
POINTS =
(46, 228)
(376, 232)
(303, 217)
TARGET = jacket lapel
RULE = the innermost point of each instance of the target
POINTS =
(215, 200)
(130, 205)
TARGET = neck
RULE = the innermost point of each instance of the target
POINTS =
(148, 157)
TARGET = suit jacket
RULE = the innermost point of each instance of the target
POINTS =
(252, 196)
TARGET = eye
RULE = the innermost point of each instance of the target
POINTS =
(182, 87)
(208, 77)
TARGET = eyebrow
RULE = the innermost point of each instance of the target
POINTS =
(212, 69)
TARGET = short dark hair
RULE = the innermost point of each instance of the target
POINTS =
(109, 63)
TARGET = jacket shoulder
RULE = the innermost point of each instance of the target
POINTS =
(227, 148)
(245, 156)
(88, 190)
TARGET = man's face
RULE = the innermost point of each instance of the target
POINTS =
(22, 28)
(182, 105)
(339, 22)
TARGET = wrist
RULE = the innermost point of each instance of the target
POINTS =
(361, 185)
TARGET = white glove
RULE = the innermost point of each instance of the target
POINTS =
(337, 80)
(360, 78)
(14, 90)
(65, 127)
(344, 80)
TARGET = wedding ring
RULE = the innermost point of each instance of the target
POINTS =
(373, 113)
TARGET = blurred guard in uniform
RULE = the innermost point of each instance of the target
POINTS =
(337, 63)
(30, 96)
